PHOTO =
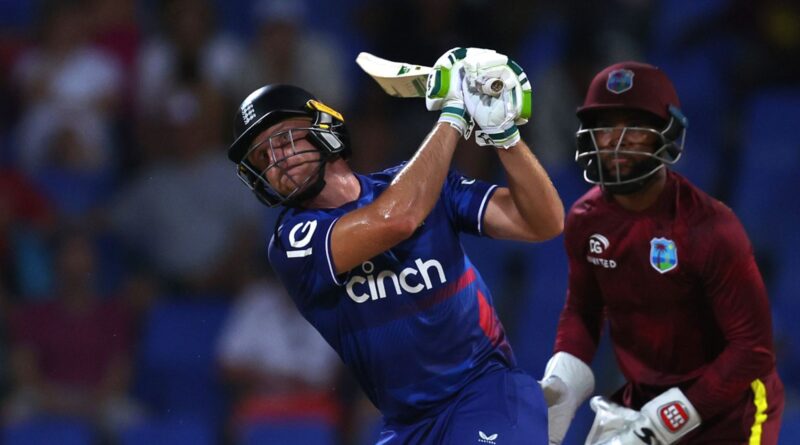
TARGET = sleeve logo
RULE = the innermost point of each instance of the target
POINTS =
(300, 237)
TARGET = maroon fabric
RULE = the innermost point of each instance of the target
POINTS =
(707, 320)
(73, 348)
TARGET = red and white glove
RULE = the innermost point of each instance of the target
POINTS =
(661, 421)
(566, 384)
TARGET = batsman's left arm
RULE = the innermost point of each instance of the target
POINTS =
(529, 209)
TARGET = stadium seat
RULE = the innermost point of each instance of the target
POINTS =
(544, 47)
(768, 170)
(790, 427)
(48, 430)
(784, 289)
(176, 370)
(672, 19)
(16, 15)
(306, 433)
(74, 194)
(168, 432)
(705, 99)
(568, 181)
(544, 289)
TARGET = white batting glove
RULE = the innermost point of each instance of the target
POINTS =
(566, 384)
(661, 421)
(497, 115)
(443, 89)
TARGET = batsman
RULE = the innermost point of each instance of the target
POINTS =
(374, 261)
(672, 271)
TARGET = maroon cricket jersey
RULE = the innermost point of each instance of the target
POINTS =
(679, 287)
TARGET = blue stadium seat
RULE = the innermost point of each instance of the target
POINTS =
(16, 15)
(48, 430)
(671, 19)
(790, 427)
(544, 47)
(705, 99)
(568, 181)
(177, 370)
(75, 194)
(168, 432)
(769, 165)
(306, 433)
(784, 289)
(544, 285)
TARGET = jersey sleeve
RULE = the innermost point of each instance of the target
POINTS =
(466, 200)
(738, 298)
(300, 254)
(581, 320)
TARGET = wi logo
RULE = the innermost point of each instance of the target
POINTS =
(490, 439)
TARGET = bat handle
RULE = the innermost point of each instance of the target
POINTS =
(492, 87)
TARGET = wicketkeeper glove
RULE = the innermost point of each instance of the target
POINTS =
(444, 85)
(497, 115)
(566, 384)
(661, 421)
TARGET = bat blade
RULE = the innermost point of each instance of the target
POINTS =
(396, 78)
(408, 80)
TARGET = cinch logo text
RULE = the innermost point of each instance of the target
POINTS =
(411, 280)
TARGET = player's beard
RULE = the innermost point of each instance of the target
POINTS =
(637, 177)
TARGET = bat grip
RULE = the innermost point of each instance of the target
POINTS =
(492, 86)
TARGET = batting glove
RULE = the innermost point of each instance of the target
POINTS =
(566, 384)
(444, 85)
(497, 114)
(661, 421)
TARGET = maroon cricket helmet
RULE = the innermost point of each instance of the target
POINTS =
(642, 88)
(631, 85)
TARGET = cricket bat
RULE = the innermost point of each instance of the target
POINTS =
(407, 80)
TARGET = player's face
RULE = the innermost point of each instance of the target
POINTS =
(285, 156)
(624, 139)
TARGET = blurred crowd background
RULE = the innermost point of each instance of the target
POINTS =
(136, 302)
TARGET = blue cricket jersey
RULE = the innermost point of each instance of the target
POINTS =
(416, 323)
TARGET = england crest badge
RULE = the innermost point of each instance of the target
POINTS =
(663, 254)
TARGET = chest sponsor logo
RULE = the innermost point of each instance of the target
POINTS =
(663, 254)
(300, 237)
(598, 244)
(412, 280)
